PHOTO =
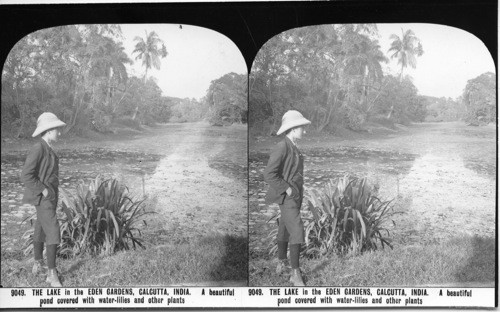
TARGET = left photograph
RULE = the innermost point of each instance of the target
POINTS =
(124, 158)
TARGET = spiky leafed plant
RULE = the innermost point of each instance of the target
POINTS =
(99, 219)
(344, 217)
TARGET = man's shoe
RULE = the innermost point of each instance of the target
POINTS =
(283, 267)
(296, 278)
(53, 279)
(39, 267)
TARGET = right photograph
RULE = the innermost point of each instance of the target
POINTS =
(372, 158)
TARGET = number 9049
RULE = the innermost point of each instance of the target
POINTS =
(16, 292)
(255, 292)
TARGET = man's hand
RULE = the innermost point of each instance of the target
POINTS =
(289, 191)
(45, 192)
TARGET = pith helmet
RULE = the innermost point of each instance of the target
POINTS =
(292, 119)
(47, 121)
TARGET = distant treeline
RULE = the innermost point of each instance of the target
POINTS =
(476, 105)
(333, 75)
(79, 73)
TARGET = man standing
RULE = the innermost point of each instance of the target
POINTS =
(284, 174)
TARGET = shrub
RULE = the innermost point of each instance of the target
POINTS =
(383, 121)
(100, 219)
(100, 121)
(176, 119)
(352, 118)
(126, 121)
(344, 218)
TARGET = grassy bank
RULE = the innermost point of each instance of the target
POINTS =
(417, 265)
(207, 261)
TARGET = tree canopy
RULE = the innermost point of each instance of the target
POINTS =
(332, 74)
(406, 49)
(79, 72)
(479, 98)
(227, 99)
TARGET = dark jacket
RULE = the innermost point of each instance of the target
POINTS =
(281, 168)
(37, 169)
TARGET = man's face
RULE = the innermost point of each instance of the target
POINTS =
(54, 134)
(299, 132)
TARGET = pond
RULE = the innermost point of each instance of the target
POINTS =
(321, 165)
(75, 166)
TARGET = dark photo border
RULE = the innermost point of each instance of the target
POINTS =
(250, 24)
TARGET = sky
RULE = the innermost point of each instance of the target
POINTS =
(196, 56)
(451, 57)
(199, 55)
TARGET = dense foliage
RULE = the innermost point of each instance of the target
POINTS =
(399, 101)
(100, 219)
(479, 98)
(444, 109)
(187, 110)
(74, 71)
(476, 106)
(227, 99)
(333, 75)
(79, 72)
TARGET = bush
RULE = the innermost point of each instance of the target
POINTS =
(175, 119)
(148, 120)
(128, 122)
(344, 218)
(100, 219)
(383, 121)
(100, 122)
(353, 119)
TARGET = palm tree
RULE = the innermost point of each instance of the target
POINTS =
(363, 65)
(114, 61)
(149, 50)
(364, 59)
(406, 49)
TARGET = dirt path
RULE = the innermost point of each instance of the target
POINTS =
(191, 198)
(450, 189)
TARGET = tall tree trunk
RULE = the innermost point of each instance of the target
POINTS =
(328, 115)
(273, 109)
(142, 98)
(22, 115)
(325, 120)
(108, 92)
(21, 127)
(135, 113)
(72, 122)
(115, 106)
(390, 112)
(372, 103)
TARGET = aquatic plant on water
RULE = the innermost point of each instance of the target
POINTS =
(344, 217)
(100, 219)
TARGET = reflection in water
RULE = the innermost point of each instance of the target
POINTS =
(448, 199)
(323, 164)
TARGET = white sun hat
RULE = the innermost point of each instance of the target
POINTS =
(47, 121)
(292, 119)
